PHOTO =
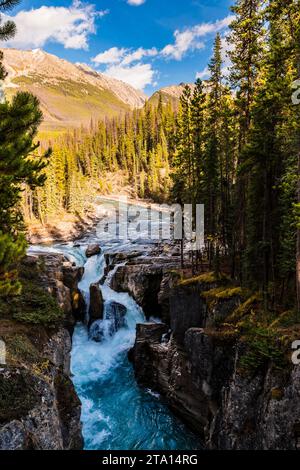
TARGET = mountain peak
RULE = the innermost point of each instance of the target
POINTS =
(70, 94)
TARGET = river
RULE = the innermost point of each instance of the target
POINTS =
(116, 413)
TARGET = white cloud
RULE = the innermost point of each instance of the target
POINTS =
(204, 74)
(138, 75)
(125, 64)
(139, 54)
(123, 56)
(111, 56)
(128, 64)
(69, 26)
(189, 39)
(135, 3)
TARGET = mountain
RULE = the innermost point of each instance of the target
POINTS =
(170, 94)
(70, 94)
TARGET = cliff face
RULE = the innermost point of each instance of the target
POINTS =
(200, 368)
(39, 408)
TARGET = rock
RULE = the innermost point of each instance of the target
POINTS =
(142, 283)
(198, 373)
(13, 436)
(116, 313)
(33, 412)
(78, 305)
(114, 320)
(69, 409)
(58, 276)
(58, 349)
(164, 368)
(92, 250)
(187, 310)
(71, 275)
(168, 282)
(96, 304)
(143, 357)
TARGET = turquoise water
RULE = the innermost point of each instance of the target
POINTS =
(116, 413)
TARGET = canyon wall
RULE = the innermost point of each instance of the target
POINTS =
(200, 366)
(39, 405)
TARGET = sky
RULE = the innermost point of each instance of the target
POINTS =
(146, 43)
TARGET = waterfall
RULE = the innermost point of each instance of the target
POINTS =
(116, 413)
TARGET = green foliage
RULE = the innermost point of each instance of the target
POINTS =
(7, 29)
(221, 293)
(35, 306)
(262, 347)
(11, 251)
(18, 126)
(140, 145)
(19, 165)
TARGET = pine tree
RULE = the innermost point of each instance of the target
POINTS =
(246, 43)
(264, 156)
(18, 166)
(212, 149)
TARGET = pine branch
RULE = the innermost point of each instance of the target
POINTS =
(7, 31)
(6, 5)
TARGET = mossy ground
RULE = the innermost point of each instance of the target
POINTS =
(266, 335)
(205, 278)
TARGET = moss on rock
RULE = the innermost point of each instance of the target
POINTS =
(205, 278)
(34, 306)
(17, 394)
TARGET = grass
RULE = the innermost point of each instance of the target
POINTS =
(218, 294)
(20, 350)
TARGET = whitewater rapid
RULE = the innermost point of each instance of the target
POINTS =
(116, 413)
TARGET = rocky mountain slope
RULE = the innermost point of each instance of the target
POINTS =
(170, 94)
(70, 94)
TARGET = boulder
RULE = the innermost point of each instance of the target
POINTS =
(71, 275)
(116, 313)
(92, 250)
(96, 303)
(142, 282)
(114, 320)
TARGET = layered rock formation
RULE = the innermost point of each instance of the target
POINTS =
(197, 365)
(39, 408)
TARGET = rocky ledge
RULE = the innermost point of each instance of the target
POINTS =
(39, 408)
(229, 379)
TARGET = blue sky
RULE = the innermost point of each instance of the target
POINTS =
(148, 43)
